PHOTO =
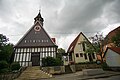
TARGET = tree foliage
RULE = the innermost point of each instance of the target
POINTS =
(15, 66)
(50, 61)
(97, 42)
(60, 53)
(90, 48)
(116, 39)
(6, 49)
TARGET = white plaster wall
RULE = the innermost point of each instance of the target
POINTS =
(112, 58)
(78, 49)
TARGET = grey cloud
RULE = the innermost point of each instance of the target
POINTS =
(62, 17)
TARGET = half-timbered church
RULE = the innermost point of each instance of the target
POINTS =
(35, 45)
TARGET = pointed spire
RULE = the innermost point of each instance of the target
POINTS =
(39, 18)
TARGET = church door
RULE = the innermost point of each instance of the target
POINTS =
(35, 58)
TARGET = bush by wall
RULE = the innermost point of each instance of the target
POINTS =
(105, 66)
(15, 66)
(4, 67)
(50, 61)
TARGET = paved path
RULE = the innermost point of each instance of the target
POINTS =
(79, 76)
(33, 73)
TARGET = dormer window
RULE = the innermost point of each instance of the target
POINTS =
(25, 41)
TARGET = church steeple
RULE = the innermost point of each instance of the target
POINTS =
(39, 18)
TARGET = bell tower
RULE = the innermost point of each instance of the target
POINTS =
(38, 18)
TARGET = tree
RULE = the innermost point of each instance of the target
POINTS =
(3, 40)
(116, 39)
(97, 42)
(50, 61)
(90, 47)
(6, 49)
(60, 53)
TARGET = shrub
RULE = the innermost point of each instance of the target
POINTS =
(4, 67)
(15, 66)
(58, 62)
(3, 64)
(50, 61)
(105, 66)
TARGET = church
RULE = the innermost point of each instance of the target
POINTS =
(35, 45)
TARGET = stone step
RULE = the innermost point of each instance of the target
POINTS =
(33, 73)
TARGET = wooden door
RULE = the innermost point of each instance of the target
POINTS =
(35, 58)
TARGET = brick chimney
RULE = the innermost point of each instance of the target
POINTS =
(53, 39)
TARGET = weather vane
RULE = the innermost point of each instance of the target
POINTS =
(39, 8)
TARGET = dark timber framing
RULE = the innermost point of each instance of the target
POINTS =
(35, 41)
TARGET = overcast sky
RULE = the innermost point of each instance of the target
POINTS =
(63, 19)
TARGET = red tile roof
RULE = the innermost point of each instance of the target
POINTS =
(115, 49)
(111, 34)
(72, 45)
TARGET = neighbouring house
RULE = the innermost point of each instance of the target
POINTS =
(35, 45)
(112, 56)
(108, 41)
(76, 50)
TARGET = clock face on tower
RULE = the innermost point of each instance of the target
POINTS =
(37, 28)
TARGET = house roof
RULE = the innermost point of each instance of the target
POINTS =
(36, 36)
(115, 49)
(111, 34)
(72, 45)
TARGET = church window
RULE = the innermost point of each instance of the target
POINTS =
(35, 49)
(25, 49)
(25, 41)
(33, 40)
(28, 50)
(21, 56)
(27, 56)
(18, 50)
(42, 40)
(24, 56)
(52, 54)
(21, 49)
(43, 55)
(38, 49)
(32, 49)
(17, 57)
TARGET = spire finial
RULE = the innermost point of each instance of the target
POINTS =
(39, 10)
(39, 17)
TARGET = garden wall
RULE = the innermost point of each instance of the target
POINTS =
(54, 69)
(79, 67)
